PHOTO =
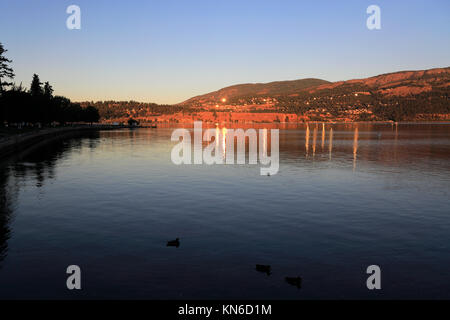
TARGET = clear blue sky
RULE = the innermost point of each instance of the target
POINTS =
(167, 51)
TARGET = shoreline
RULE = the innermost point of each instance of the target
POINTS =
(168, 124)
(17, 142)
(145, 123)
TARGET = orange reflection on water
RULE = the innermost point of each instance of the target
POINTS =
(330, 146)
(323, 135)
(217, 137)
(224, 141)
(314, 140)
(307, 139)
(264, 141)
(355, 147)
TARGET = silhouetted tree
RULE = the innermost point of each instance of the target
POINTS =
(39, 106)
(6, 72)
(36, 86)
(91, 114)
(48, 90)
(61, 106)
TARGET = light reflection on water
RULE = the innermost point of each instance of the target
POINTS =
(356, 195)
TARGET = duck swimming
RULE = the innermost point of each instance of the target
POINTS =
(296, 282)
(174, 243)
(264, 269)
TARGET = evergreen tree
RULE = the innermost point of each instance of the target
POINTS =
(48, 90)
(36, 86)
(6, 72)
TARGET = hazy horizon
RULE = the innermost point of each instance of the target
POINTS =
(170, 51)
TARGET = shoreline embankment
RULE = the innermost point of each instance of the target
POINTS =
(18, 142)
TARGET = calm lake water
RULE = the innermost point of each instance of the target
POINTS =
(358, 195)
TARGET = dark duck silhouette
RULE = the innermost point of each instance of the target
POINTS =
(174, 243)
(264, 269)
(296, 282)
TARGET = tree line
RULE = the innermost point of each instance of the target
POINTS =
(37, 105)
(110, 110)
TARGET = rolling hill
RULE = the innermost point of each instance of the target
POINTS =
(404, 95)
(402, 83)
(272, 89)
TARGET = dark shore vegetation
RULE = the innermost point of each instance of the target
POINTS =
(24, 109)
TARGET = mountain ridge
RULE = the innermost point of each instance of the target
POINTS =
(271, 88)
(398, 81)
(413, 95)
